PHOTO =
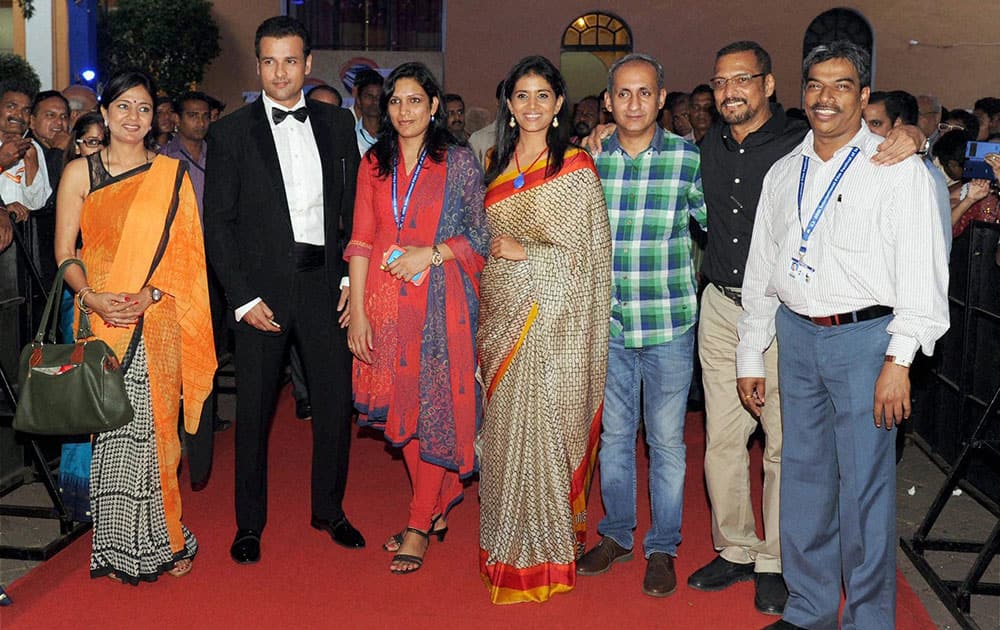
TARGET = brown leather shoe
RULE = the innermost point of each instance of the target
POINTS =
(660, 579)
(599, 559)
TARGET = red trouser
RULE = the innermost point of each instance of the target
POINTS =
(433, 487)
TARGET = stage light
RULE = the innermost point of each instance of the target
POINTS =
(88, 75)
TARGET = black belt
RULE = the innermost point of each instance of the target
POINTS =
(733, 293)
(872, 312)
(308, 257)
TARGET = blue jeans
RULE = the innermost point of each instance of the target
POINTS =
(664, 374)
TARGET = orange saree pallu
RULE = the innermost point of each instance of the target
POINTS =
(137, 508)
(543, 343)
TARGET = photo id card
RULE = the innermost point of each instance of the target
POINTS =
(800, 271)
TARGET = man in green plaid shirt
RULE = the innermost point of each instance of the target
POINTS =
(652, 184)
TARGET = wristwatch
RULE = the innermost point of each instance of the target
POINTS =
(436, 258)
(926, 148)
(155, 294)
(900, 361)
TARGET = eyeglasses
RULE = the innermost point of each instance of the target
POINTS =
(946, 127)
(93, 143)
(740, 80)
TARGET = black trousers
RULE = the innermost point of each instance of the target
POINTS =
(260, 360)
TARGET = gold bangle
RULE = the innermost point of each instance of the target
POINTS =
(79, 299)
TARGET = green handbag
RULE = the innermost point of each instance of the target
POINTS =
(70, 388)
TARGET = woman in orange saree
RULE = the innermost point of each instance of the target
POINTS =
(119, 199)
(544, 307)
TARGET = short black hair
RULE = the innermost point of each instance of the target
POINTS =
(703, 88)
(160, 100)
(282, 26)
(969, 121)
(46, 95)
(763, 58)
(951, 146)
(673, 99)
(191, 96)
(454, 98)
(989, 104)
(857, 56)
(21, 87)
(898, 105)
(214, 103)
(325, 88)
(365, 76)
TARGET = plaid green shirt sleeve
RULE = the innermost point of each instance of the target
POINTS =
(651, 199)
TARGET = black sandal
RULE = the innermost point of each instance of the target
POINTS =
(405, 557)
(397, 538)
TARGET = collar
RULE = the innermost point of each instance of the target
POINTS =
(175, 144)
(774, 126)
(613, 145)
(864, 140)
(269, 103)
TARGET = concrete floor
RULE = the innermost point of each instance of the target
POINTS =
(963, 518)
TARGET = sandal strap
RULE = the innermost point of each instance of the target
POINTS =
(426, 536)
(405, 557)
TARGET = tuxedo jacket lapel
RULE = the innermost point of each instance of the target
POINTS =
(263, 138)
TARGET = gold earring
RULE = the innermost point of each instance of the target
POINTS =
(555, 123)
(513, 123)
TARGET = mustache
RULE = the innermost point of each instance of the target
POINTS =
(15, 119)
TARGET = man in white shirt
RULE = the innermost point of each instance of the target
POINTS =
(367, 91)
(847, 267)
(279, 186)
(24, 179)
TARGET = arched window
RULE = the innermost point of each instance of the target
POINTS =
(837, 24)
(590, 44)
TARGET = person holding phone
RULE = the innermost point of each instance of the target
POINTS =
(418, 245)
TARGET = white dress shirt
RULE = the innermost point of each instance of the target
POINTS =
(14, 186)
(302, 174)
(879, 242)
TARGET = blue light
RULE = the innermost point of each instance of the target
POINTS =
(88, 75)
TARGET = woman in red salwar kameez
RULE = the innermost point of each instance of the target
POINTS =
(414, 341)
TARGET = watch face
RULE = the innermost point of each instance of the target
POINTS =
(157, 295)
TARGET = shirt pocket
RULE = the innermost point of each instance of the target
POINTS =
(853, 228)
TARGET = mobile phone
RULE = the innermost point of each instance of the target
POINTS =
(975, 160)
(392, 254)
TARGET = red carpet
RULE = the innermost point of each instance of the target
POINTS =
(305, 581)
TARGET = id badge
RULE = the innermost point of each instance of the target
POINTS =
(800, 271)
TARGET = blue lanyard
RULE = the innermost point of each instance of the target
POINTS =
(400, 219)
(821, 207)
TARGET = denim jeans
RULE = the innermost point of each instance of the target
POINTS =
(664, 374)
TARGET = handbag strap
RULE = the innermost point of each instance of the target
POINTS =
(50, 316)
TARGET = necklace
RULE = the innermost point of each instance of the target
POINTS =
(519, 180)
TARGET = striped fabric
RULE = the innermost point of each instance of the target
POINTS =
(650, 199)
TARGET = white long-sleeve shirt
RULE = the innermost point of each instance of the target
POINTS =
(14, 186)
(879, 242)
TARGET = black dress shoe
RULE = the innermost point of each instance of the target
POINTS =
(771, 593)
(781, 624)
(246, 547)
(303, 410)
(720, 574)
(342, 532)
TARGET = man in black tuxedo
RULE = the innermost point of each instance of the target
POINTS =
(279, 188)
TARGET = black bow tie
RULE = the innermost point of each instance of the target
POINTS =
(278, 115)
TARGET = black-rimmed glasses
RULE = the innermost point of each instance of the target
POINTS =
(740, 80)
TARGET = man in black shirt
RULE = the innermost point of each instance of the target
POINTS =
(735, 156)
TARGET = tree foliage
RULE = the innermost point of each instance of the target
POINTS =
(17, 73)
(173, 40)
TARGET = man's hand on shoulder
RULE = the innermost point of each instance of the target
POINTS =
(901, 143)
(592, 143)
(6, 230)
